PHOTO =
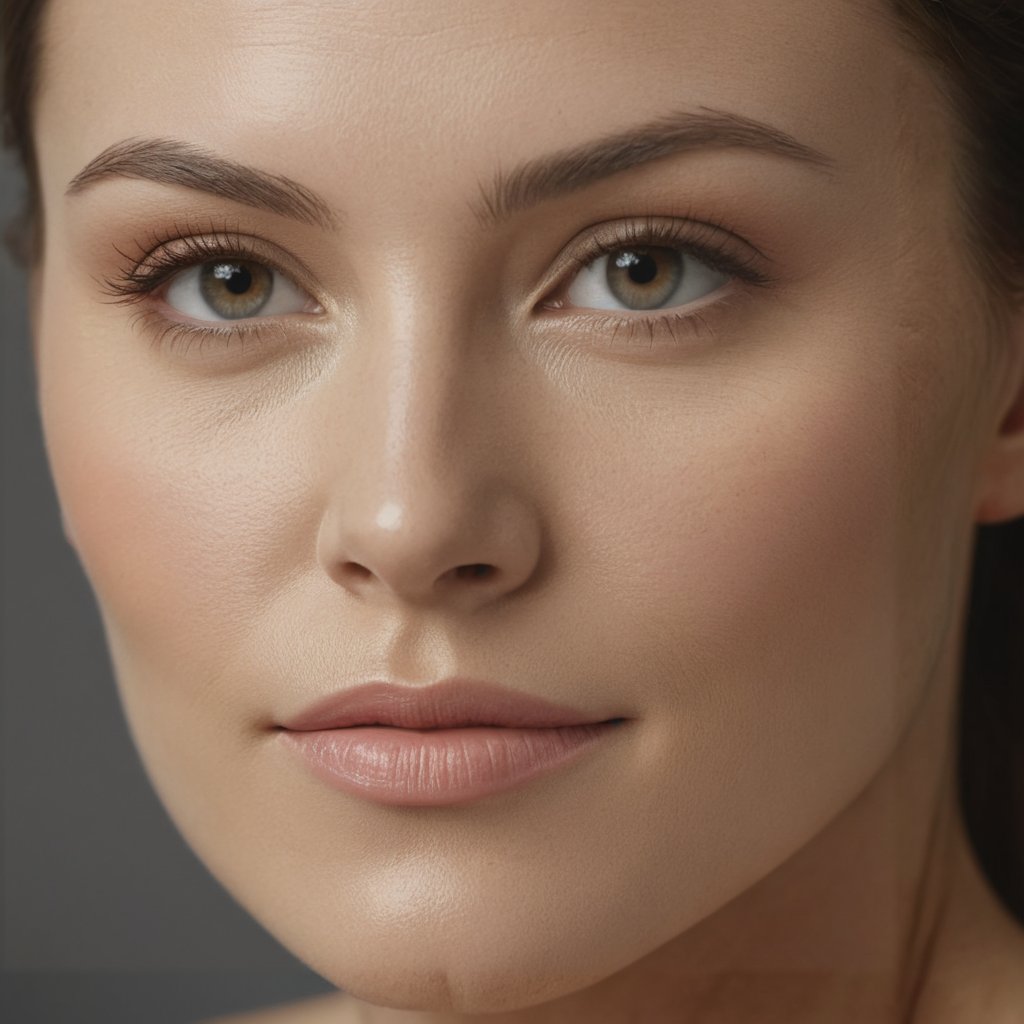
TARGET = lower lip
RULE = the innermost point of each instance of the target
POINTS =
(436, 767)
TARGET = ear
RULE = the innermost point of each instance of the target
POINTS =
(1001, 485)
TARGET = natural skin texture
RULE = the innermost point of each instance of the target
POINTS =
(751, 539)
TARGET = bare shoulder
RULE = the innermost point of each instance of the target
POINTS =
(332, 1008)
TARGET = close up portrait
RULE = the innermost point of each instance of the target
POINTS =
(551, 481)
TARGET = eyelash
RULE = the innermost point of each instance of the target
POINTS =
(697, 238)
(141, 277)
(156, 265)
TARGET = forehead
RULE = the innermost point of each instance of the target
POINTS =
(397, 94)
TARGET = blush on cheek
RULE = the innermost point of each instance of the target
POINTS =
(165, 530)
(138, 535)
(794, 565)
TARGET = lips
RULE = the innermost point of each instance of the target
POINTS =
(450, 704)
(451, 743)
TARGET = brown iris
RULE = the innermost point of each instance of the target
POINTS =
(645, 276)
(235, 288)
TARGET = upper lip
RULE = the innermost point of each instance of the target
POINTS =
(450, 703)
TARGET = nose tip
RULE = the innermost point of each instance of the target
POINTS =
(466, 556)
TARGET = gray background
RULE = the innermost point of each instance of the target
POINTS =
(107, 914)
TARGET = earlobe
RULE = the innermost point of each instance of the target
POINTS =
(1001, 496)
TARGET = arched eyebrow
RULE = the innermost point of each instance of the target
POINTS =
(578, 166)
(173, 162)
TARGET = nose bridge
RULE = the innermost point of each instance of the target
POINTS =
(420, 423)
(420, 405)
(416, 351)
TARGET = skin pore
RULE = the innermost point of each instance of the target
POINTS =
(747, 531)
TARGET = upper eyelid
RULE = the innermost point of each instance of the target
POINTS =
(185, 261)
(137, 278)
(686, 233)
(682, 228)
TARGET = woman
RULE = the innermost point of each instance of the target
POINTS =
(652, 368)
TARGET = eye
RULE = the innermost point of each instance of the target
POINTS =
(643, 277)
(235, 289)
(654, 264)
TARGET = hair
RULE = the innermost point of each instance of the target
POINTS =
(976, 49)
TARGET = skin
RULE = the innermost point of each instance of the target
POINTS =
(752, 540)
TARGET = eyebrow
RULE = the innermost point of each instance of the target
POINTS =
(575, 168)
(172, 162)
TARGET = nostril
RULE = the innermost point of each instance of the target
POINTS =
(475, 571)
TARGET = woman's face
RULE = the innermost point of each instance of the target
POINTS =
(725, 491)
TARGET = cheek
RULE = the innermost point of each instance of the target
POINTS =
(776, 517)
(157, 540)
(793, 547)
(182, 522)
(776, 586)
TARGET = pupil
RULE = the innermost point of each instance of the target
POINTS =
(237, 279)
(643, 269)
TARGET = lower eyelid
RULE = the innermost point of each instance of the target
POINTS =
(180, 337)
(667, 329)
(697, 318)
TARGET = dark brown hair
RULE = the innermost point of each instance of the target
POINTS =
(976, 48)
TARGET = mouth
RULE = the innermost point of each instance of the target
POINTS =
(446, 728)
(451, 743)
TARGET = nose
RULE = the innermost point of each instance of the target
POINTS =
(429, 502)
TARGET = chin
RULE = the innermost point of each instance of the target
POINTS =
(455, 989)
(403, 974)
